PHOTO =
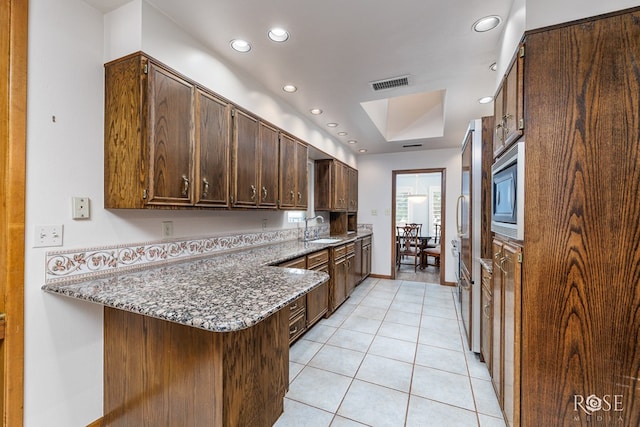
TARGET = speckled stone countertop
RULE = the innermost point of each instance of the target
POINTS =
(221, 293)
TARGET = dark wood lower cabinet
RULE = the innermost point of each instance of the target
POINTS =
(163, 373)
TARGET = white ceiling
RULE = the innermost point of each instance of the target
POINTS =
(337, 47)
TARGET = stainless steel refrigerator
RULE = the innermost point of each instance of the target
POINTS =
(468, 217)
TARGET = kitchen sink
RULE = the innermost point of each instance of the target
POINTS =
(326, 240)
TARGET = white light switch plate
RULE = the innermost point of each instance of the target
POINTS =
(47, 235)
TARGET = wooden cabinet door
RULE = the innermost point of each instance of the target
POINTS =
(301, 177)
(498, 319)
(288, 196)
(268, 155)
(339, 283)
(512, 332)
(366, 260)
(322, 184)
(318, 301)
(340, 186)
(498, 136)
(171, 138)
(513, 100)
(486, 322)
(351, 274)
(353, 190)
(244, 160)
(358, 261)
(213, 133)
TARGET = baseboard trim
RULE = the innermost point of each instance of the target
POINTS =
(96, 423)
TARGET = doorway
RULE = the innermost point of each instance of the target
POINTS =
(418, 197)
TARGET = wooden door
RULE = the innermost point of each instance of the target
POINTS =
(288, 172)
(245, 160)
(13, 103)
(302, 186)
(213, 133)
(268, 166)
(171, 108)
(351, 274)
(341, 178)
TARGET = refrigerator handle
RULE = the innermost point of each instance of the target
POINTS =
(458, 219)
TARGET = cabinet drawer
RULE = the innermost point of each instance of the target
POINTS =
(297, 306)
(297, 326)
(295, 263)
(339, 252)
(351, 248)
(317, 258)
(366, 241)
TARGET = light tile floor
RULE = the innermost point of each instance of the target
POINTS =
(391, 355)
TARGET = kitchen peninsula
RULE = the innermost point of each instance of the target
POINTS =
(199, 342)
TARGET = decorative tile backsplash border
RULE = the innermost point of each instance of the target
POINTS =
(80, 264)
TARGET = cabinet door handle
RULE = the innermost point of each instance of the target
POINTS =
(293, 307)
(205, 187)
(293, 331)
(293, 195)
(264, 193)
(253, 192)
(185, 186)
(299, 196)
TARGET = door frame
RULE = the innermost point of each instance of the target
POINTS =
(443, 204)
(13, 137)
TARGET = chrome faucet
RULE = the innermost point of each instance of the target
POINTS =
(306, 227)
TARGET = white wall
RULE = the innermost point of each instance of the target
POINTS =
(542, 13)
(375, 194)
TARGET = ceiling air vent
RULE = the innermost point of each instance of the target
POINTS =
(390, 83)
(411, 145)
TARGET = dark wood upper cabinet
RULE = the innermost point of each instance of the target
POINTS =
(509, 106)
(353, 190)
(268, 165)
(332, 186)
(244, 160)
(213, 133)
(293, 173)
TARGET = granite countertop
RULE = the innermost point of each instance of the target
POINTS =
(221, 293)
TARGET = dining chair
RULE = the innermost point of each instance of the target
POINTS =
(408, 243)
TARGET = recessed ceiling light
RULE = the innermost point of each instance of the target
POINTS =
(494, 66)
(487, 23)
(278, 34)
(315, 111)
(352, 141)
(332, 125)
(289, 88)
(343, 133)
(240, 45)
(362, 150)
(485, 99)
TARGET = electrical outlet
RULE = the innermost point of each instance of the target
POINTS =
(264, 224)
(47, 235)
(80, 206)
(167, 229)
(374, 212)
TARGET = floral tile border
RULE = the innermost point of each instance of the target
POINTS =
(82, 264)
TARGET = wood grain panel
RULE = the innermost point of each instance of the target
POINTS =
(125, 147)
(302, 177)
(14, 25)
(486, 182)
(287, 171)
(581, 299)
(164, 373)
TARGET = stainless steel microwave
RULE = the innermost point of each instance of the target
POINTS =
(507, 193)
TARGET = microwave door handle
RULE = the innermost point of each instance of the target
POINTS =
(458, 219)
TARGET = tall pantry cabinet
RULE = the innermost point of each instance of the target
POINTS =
(579, 334)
